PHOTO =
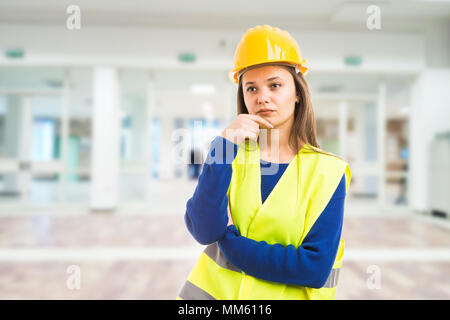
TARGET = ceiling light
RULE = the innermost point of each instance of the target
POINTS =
(203, 88)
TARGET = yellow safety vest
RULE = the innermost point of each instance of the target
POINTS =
(285, 217)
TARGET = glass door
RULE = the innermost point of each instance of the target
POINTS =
(31, 164)
(347, 127)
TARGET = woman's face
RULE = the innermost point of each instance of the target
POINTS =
(270, 87)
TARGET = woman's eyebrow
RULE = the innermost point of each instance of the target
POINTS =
(273, 78)
(270, 79)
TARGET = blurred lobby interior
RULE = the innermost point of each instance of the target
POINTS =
(97, 126)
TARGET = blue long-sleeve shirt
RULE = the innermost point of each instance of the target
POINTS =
(308, 265)
(206, 214)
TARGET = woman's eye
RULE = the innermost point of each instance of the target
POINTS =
(250, 89)
(275, 85)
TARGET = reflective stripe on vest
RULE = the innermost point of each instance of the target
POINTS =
(191, 292)
(285, 217)
(215, 254)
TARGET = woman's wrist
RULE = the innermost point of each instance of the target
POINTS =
(222, 151)
(228, 138)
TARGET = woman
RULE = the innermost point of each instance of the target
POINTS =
(270, 210)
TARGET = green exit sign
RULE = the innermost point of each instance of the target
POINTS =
(187, 57)
(14, 53)
(353, 60)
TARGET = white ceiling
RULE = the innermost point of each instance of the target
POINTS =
(319, 14)
(173, 87)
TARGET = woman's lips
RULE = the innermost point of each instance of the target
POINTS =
(265, 112)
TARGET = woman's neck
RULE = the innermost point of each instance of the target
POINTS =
(274, 146)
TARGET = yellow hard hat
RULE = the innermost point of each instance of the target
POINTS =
(266, 44)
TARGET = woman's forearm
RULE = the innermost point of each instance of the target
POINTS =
(206, 211)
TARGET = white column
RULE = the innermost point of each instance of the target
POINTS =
(105, 139)
(64, 141)
(12, 137)
(166, 166)
(429, 115)
(343, 116)
(360, 163)
(381, 141)
(138, 139)
(151, 113)
(26, 119)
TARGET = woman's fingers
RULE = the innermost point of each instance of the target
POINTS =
(245, 126)
(260, 120)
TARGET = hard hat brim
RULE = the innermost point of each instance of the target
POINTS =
(235, 74)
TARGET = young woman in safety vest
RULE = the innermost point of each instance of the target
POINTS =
(271, 211)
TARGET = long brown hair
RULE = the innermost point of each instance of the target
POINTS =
(304, 126)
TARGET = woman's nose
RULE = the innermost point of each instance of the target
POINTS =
(262, 98)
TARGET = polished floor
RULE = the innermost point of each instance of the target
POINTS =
(389, 255)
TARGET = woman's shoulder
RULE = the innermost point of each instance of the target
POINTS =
(309, 149)
(325, 162)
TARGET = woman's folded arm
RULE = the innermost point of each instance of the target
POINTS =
(206, 215)
(308, 265)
